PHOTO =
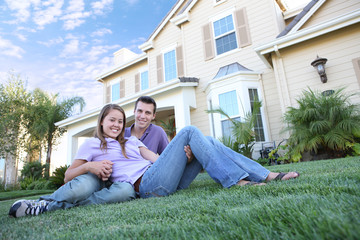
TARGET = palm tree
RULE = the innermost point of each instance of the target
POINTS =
(323, 124)
(243, 134)
(42, 115)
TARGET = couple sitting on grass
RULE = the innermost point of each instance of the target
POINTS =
(121, 164)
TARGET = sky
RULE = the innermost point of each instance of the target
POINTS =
(61, 46)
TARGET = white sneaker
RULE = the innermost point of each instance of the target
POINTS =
(24, 207)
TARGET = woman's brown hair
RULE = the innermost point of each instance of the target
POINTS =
(99, 133)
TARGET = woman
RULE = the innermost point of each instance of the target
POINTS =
(153, 175)
(92, 178)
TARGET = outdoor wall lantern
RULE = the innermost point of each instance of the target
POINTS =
(319, 64)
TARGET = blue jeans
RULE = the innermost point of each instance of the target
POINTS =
(171, 172)
(88, 189)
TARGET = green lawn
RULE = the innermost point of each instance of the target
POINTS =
(323, 203)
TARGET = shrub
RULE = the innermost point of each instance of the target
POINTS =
(41, 184)
(58, 176)
(24, 183)
(33, 170)
(323, 124)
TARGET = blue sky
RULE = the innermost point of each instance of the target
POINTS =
(61, 46)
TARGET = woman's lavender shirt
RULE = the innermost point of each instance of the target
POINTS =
(124, 169)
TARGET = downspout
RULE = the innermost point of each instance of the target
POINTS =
(264, 106)
(281, 81)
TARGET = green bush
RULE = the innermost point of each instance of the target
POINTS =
(24, 183)
(327, 125)
(33, 170)
(58, 176)
(41, 184)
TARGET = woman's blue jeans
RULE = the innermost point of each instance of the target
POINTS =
(88, 189)
(171, 172)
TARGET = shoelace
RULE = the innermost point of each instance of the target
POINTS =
(35, 208)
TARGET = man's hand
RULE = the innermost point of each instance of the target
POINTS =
(189, 154)
(101, 169)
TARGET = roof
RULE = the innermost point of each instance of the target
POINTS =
(297, 18)
(231, 69)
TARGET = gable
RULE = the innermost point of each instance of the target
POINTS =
(330, 10)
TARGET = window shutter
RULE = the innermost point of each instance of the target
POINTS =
(108, 93)
(208, 42)
(159, 67)
(137, 82)
(122, 88)
(180, 61)
(242, 28)
(356, 63)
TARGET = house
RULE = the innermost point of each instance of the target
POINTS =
(211, 53)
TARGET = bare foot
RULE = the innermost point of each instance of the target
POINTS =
(281, 176)
(248, 183)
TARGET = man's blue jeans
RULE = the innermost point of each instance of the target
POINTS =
(171, 171)
(88, 189)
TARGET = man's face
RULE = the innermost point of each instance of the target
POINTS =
(144, 114)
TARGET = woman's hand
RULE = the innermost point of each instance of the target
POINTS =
(101, 169)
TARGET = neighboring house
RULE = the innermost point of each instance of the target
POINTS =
(211, 53)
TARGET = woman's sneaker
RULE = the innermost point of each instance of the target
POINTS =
(28, 207)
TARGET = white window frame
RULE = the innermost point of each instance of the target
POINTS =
(242, 86)
(140, 78)
(112, 83)
(218, 17)
(163, 52)
(218, 2)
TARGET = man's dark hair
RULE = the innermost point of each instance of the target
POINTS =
(148, 100)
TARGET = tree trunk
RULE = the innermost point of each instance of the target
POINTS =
(10, 170)
(48, 157)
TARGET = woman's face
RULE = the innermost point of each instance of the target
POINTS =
(113, 124)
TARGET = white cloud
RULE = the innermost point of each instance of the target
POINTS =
(70, 49)
(100, 7)
(101, 32)
(48, 15)
(52, 42)
(97, 51)
(75, 6)
(21, 8)
(75, 15)
(7, 48)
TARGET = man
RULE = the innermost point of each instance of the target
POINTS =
(153, 136)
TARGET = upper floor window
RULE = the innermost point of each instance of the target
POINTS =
(225, 36)
(170, 65)
(115, 91)
(225, 32)
(228, 102)
(144, 80)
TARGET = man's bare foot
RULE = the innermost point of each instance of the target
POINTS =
(281, 176)
(249, 183)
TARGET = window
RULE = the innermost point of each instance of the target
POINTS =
(115, 91)
(259, 127)
(170, 65)
(228, 102)
(225, 36)
(144, 80)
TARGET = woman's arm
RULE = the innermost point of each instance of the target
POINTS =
(148, 155)
(101, 169)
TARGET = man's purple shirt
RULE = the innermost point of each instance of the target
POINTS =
(154, 138)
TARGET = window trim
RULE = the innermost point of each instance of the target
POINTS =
(164, 64)
(141, 83)
(217, 17)
(218, 2)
